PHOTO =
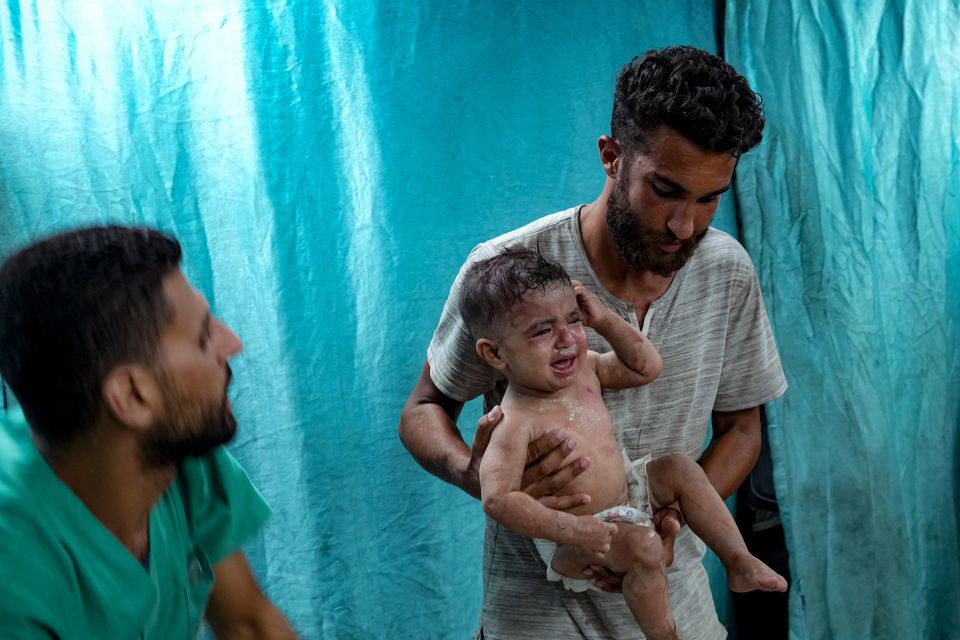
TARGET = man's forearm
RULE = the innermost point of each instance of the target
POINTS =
(238, 609)
(429, 432)
(265, 622)
(434, 441)
(734, 449)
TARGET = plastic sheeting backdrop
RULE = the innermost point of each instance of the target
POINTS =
(327, 168)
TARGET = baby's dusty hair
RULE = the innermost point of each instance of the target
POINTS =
(492, 286)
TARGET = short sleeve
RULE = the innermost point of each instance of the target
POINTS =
(751, 373)
(222, 506)
(455, 367)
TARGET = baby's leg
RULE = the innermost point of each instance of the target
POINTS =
(677, 477)
(636, 552)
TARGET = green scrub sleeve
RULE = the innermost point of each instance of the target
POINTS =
(223, 507)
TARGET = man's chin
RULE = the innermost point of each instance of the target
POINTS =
(172, 452)
(667, 268)
(664, 266)
(224, 434)
(667, 264)
(230, 430)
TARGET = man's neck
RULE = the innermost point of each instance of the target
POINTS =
(639, 288)
(109, 477)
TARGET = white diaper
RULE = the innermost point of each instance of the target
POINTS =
(636, 511)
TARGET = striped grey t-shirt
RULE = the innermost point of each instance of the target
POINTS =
(712, 331)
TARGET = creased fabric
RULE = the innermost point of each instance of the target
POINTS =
(327, 167)
(851, 210)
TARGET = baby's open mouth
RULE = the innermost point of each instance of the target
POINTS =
(564, 365)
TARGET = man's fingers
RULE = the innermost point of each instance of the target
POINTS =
(604, 586)
(548, 443)
(668, 520)
(546, 461)
(562, 503)
(606, 580)
(557, 480)
(668, 549)
(670, 526)
(484, 428)
(667, 525)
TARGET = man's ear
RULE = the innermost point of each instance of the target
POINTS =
(611, 156)
(132, 396)
(487, 349)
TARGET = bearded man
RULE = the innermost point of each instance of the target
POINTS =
(681, 119)
(121, 514)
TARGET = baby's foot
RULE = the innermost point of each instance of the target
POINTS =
(748, 573)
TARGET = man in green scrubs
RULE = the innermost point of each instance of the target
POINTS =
(121, 515)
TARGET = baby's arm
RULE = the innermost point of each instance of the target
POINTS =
(501, 470)
(633, 361)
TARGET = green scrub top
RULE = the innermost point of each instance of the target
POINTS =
(64, 575)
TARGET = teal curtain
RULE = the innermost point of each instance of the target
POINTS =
(851, 211)
(327, 167)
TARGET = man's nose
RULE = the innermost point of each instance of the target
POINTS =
(230, 343)
(681, 221)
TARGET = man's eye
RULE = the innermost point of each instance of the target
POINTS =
(542, 332)
(665, 193)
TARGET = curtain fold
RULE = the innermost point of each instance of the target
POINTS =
(327, 167)
(850, 210)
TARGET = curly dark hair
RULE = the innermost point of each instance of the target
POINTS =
(492, 286)
(691, 91)
(73, 306)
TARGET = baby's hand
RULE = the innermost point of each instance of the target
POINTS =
(590, 306)
(594, 535)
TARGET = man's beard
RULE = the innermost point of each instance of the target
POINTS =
(189, 428)
(638, 243)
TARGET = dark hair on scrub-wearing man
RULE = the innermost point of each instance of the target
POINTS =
(121, 514)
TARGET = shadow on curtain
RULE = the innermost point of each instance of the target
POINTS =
(851, 211)
(327, 167)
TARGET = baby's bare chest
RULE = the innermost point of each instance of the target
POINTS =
(584, 418)
(579, 412)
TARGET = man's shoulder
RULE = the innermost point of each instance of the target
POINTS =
(22, 530)
(35, 569)
(720, 245)
(15, 441)
(720, 255)
(20, 501)
(556, 236)
(530, 233)
(29, 525)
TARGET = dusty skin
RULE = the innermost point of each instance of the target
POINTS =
(555, 382)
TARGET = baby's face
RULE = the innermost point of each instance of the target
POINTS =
(543, 343)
